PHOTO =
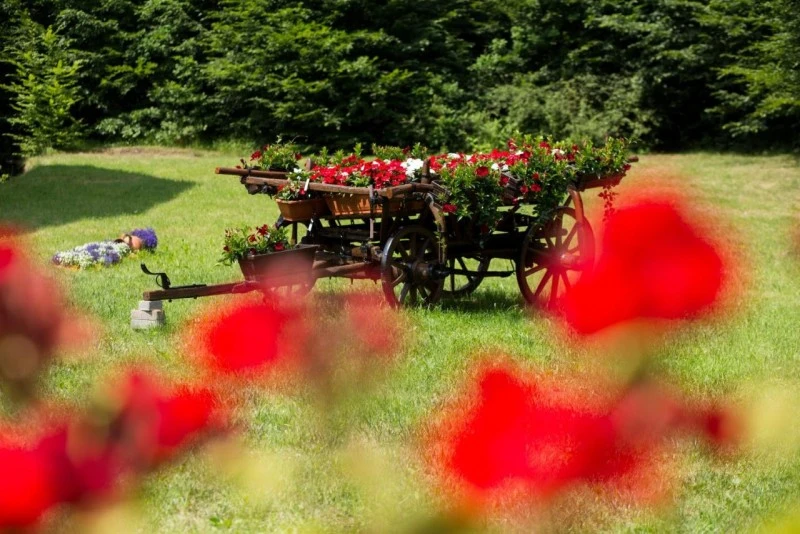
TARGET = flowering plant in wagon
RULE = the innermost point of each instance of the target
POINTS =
(275, 157)
(295, 186)
(247, 241)
(474, 190)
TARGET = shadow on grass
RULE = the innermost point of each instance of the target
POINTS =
(58, 194)
(486, 301)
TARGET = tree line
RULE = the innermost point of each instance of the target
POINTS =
(671, 74)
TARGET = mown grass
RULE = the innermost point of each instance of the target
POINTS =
(66, 200)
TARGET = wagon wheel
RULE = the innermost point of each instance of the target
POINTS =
(553, 258)
(458, 285)
(408, 267)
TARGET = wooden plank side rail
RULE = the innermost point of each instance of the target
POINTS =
(388, 192)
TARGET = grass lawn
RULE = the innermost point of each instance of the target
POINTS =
(66, 200)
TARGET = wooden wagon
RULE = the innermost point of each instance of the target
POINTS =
(401, 237)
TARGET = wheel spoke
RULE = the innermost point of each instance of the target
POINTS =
(424, 249)
(470, 278)
(571, 236)
(399, 279)
(559, 229)
(404, 292)
(543, 283)
(567, 283)
(401, 249)
(533, 270)
(554, 291)
(413, 247)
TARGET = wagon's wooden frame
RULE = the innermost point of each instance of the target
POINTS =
(419, 255)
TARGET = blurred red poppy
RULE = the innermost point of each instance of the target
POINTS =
(246, 338)
(654, 264)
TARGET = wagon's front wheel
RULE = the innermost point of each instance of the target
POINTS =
(553, 257)
(410, 268)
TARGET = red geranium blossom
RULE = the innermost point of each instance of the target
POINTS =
(654, 265)
(449, 208)
(7, 255)
(156, 421)
(482, 172)
(244, 338)
(541, 437)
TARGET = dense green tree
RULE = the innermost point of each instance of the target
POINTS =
(12, 18)
(759, 89)
(43, 92)
(673, 74)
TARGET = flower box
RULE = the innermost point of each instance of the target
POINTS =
(359, 206)
(287, 265)
(590, 182)
(303, 210)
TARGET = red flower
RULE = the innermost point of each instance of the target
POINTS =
(503, 181)
(278, 247)
(182, 416)
(243, 339)
(654, 265)
(263, 230)
(154, 422)
(482, 172)
(226, 248)
(298, 156)
(523, 189)
(252, 238)
(542, 437)
(449, 208)
(7, 255)
(255, 155)
(534, 188)
(536, 176)
(27, 487)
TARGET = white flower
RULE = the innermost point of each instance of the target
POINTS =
(495, 167)
(557, 152)
(453, 155)
(505, 167)
(519, 152)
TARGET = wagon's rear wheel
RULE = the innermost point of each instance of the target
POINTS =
(553, 257)
(409, 268)
(457, 285)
